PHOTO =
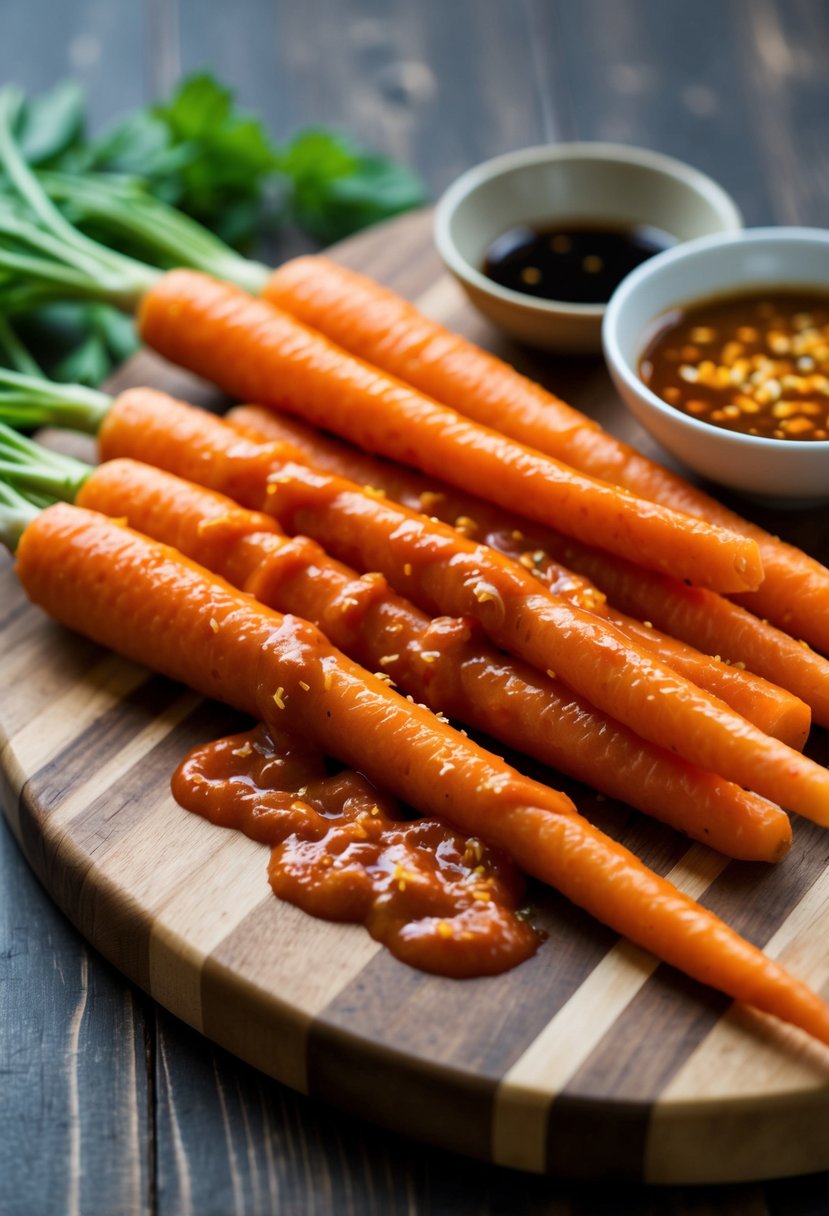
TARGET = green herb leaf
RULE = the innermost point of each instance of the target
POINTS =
(116, 330)
(109, 339)
(79, 343)
(139, 146)
(87, 363)
(52, 123)
(199, 153)
(337, 188)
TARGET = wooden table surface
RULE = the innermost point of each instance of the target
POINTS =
(108, 1105)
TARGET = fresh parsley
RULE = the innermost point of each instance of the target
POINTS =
(201, 153)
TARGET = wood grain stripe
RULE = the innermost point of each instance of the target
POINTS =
(282, 967)
(785, 1082)
(431, 1027)
(674, 1012)
(84, 843)
(520, 1127)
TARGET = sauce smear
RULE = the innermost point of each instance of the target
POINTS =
(571, 261)
(758, 363)
(442, 902)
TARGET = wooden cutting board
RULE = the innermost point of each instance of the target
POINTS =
(589, 1060)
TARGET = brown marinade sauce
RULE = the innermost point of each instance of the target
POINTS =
(574, 262)
(756, 363)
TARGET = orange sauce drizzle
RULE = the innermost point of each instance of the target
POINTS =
(341, 850)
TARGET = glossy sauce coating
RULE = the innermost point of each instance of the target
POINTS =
(343, 851)
(571, 261)
(757, 364)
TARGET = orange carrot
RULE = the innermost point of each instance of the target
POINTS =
(379, 326)
(142, 599)
(711, 624)
(443, 572)
(767, 706)
(439, 662)
(257, 352)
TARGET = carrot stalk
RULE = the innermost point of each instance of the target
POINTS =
(255, 351)
(377, 325)
(141, 599)
(443, 572)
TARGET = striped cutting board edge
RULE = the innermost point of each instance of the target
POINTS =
(589, 1060)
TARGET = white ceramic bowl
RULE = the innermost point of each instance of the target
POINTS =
(771, 469)
(592, 182)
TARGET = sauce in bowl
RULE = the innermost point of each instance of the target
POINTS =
(754, 362)
(570, 261)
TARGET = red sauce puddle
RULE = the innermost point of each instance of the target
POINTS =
(341, 850)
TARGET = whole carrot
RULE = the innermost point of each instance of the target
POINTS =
(381, 327)
(443, 572)
(601, 583)
(257, 352)
(439, 662)
(773, 710)
(142, 599)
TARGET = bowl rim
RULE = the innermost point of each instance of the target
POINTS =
(785, 235)
(538, 154)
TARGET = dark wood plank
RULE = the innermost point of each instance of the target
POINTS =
(438, 85)
(76, 1108)
(100, 45)
(234, 1143)
(738, 89)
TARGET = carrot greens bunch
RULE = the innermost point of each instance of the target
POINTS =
(196, 154)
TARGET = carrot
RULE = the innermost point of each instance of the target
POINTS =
(142, 599)
(253, 350)
(439, 662)
(767, 706)
(443, 572)
(709, 623)
(379, 326)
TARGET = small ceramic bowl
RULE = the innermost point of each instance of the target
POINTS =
(765, 258)
(602, 184)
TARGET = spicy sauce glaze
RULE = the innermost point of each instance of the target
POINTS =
(343, 851)
(755, 362)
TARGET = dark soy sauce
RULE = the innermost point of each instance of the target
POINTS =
(576, 263)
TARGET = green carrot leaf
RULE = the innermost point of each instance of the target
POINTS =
(109, 338)
(137, 146)
(87, 363)
(337, 188)
(52, 124)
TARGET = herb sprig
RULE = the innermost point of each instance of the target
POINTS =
(201, 153)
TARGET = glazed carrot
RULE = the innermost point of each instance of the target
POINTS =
(443, 572)
(142, 599)
(774, 710)
(440, 663)
(255, 351)
(779, 712)
(708, 622)
(376, 324)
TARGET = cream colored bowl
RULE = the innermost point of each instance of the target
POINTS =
(591, 182)
(765, 258)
